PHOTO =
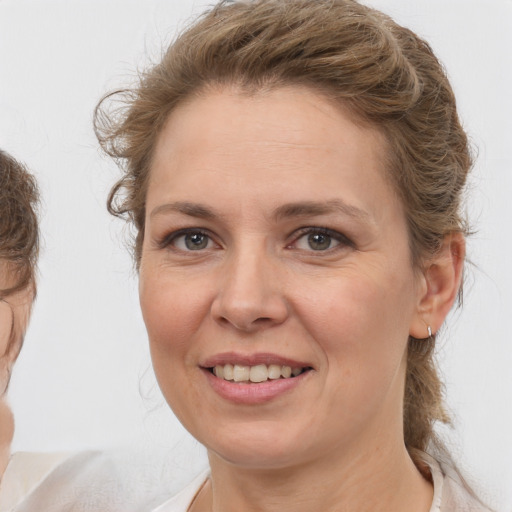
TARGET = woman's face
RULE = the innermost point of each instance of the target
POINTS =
(14, 315)
(6, 418)
(274, 242)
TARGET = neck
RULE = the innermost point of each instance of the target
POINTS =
(378, 479)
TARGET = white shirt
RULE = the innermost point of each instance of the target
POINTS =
(130, 482)
(113, 481)
(449, 493)
(23, 473)
(182, 501)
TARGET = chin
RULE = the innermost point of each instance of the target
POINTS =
(272, 448)
(255, 459)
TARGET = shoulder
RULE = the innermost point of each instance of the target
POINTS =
(122, 480)
(451, 493)
(457, 496)
(24, 473)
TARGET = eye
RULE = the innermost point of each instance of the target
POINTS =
(191, 240)
(319, 239)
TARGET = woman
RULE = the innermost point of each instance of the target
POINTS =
(19, 247)
(48, 481)
(294, 172)
(19, 244)
(18, 255)
(86, 481)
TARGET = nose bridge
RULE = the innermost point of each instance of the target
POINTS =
(250, 293)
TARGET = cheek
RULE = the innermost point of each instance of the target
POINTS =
(5, 327)
(354, 320)
(11, 340)
(173, 309)
(4, 375)
(6, 434)
(363, 344)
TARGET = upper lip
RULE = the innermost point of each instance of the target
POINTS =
(252, 360)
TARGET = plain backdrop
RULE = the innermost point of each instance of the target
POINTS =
(84, 377)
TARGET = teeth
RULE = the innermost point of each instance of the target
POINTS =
(228, 371)
(258, 373)
(218, 371)
(241, 373)
(286, 372)
(274, 372)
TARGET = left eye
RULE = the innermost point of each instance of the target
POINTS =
(193, 241)
(317, 241)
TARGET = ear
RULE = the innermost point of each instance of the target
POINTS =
(441, 280)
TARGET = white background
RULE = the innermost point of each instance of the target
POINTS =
(84, 378)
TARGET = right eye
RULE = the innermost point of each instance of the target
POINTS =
(192, 240)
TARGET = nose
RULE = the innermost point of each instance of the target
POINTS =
(250, 294)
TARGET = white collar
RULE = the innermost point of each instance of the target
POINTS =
(182, 501)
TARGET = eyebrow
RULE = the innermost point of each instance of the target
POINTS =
(314, 208)
(184, 207)
(285, 211)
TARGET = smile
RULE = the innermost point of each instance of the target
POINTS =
(253, 379)
(256, 374)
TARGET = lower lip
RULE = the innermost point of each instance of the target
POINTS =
(254, 393)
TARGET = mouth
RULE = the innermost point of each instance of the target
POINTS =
(245, 374)
(253, 379)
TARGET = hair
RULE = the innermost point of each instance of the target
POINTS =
(19, 230)
(383, 73)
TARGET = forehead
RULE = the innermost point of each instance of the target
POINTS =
(281, 115)
(292, 138)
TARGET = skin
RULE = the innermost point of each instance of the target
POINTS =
(14, 316)
(335, 441)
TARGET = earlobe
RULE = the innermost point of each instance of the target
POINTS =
(442, 279)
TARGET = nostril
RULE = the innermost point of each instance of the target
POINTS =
(263, 320)
(246, 326)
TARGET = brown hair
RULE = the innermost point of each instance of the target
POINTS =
(385, 74)
(19, 236)
(19, 232)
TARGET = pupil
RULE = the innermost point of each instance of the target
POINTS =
(196, 241)
(319, 242)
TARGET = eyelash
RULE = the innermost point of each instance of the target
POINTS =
(342, 241)
(171, 238)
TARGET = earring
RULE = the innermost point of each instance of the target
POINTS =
(429, 330)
